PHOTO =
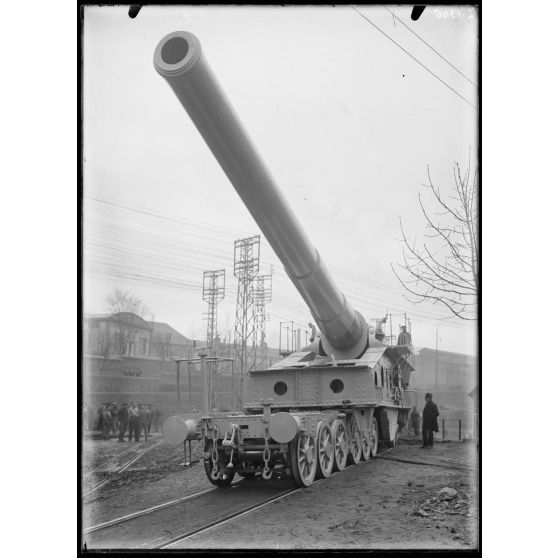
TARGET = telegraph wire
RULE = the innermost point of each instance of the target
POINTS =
(155, 257)
(431, 47)
(415, 59)
(270, 255)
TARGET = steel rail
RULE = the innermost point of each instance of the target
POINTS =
(107, 462)
(227, 518)
(250, 509)
(147, 511)
(121, 469)
(152, 509)
(415, 462)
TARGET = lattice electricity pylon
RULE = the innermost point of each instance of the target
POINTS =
(262, 295)
(246, 267)
(213, 293)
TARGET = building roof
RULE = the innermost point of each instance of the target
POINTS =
(156, 327)
(96, 316)
(165, 329)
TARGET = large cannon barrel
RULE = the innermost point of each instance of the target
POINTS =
(179, 59)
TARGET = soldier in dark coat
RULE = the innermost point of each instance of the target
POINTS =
(100, 415)
(107, 421)
(122, 421)
(114, 419)
(429, 421)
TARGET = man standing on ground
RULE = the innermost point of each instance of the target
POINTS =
(144, 421)
(149, 418)
(107, 420)
(429, 421)
(122, 421)
(133, 417)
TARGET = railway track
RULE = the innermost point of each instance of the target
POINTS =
(202, 511)
(446, 464)
(167, 525)
(171, 522)
(190, 533)
(105, 464)
(121, 469)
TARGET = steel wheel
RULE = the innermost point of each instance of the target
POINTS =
(355, 442)
(374, 438)
(325, 451)
(304, 461)
(340, 445)
(366, 446)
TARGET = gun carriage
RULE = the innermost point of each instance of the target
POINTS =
(322, 407)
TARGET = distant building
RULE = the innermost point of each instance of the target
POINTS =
(455, 371)
(127, 334)
(456, 376)
(474, 395)
(127, 358)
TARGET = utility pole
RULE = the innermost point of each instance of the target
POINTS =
(262, 295)
(289, 338)
(213, 293)
(178, 379)
(189, 386)
(246, 267)
(436, 358)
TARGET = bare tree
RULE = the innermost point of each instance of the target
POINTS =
(123, 301)
(444, 269)
(123, 306)
(98, 341)
(162, 342)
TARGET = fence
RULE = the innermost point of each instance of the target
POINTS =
(449, 429)
(458, 429)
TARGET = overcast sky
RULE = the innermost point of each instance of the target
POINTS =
(346, 121)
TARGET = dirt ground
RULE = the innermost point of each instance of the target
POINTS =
(382, 503)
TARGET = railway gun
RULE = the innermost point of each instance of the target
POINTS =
(322, 407)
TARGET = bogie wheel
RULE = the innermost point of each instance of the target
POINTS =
(340, 445)
(366, 446)
(325, 451)
(355, 442)
(304, 462)
(223, 477)
(374, 438)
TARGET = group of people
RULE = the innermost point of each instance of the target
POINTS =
(430, 415)
(134, 419)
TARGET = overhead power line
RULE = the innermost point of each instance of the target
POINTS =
(415, 59)
(431, 47)
(174, 260)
